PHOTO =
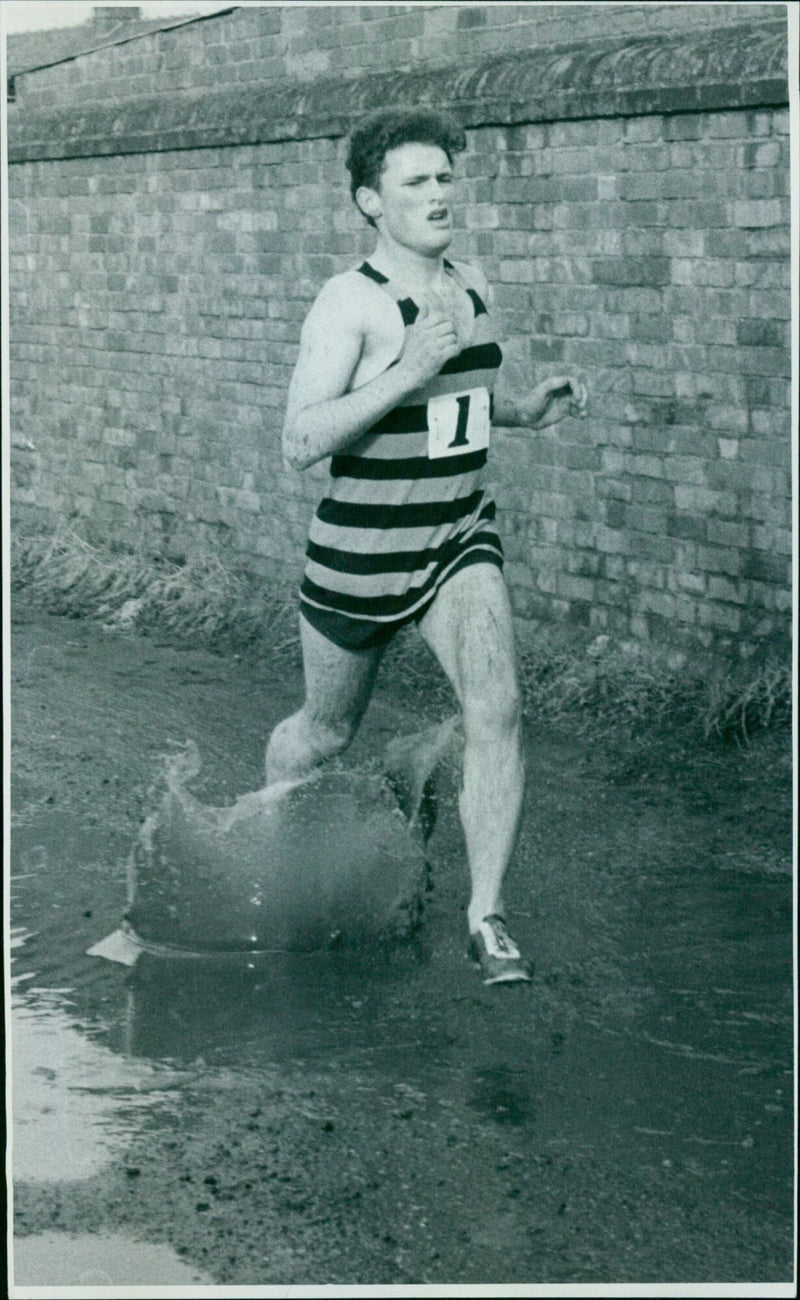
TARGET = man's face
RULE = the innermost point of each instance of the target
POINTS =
(414, 198)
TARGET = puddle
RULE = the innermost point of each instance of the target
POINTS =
(61, 1259)
(379, 1116)
(76, 1102)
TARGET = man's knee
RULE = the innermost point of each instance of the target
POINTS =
(302, 742)
(494, 711)
(329, 737)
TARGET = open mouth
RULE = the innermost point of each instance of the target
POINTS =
(439, 216)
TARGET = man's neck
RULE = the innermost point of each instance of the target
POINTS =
(415, 271)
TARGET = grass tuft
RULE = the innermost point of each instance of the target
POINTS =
(563, 678)
(737, 705)
(201, 600)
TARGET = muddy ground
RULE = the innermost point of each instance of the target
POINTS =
(384, 1118)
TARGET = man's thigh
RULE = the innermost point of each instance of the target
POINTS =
(338, 682)
(470, 629)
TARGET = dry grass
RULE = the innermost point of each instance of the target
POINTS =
(564, 680)
(738, 704)
(561, 676)
(642, 687)
(202, 600)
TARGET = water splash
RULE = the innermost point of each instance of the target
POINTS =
(337, 857)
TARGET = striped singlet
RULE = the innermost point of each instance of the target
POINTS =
(405, 503)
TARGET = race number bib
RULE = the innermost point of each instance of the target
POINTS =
(458, 423)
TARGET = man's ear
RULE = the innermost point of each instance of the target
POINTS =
(369, 201)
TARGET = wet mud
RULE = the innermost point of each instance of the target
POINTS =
(369, 1117)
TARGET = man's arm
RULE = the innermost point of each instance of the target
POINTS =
(547, 403)
(322, 417)
(550, 401)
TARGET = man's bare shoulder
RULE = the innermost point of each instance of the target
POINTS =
(349, 295)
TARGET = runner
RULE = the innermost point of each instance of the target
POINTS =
(395, 380)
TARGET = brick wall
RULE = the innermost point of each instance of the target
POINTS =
(254, 45)
(156, 301)
(656, 268)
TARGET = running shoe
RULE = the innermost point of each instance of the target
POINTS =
(492, 948)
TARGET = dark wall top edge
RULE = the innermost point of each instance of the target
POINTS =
(738, 67)
(95, 43)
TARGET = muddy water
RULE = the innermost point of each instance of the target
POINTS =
(383, 1118)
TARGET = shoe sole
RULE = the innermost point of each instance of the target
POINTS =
(518, 976)
(509, 977)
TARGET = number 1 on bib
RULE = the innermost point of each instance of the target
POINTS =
(458, 423)
(461, 439)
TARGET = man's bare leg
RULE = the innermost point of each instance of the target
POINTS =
(469, 628)
(338, 689)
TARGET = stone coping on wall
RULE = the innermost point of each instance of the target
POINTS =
(743, 66)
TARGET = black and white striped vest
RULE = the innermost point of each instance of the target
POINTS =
(406, 499)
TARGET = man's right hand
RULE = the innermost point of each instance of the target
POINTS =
(323, 413)
(428, 344)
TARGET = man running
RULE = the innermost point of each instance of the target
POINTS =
(394, 380)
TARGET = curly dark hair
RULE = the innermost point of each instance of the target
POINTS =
(388, 128)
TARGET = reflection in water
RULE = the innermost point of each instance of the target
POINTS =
(76, 1102)
(291, 1005)
(59, 1259)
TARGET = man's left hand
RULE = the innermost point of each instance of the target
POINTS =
(557, 397)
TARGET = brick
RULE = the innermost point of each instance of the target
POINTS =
(575, 588)
(776, 540)
(471, 16)
(721, 416)
(765, 185)
(579, 613)
(686, 126)
(652, 383)
(761, 333)
(644, 465)
(652, 327)
(654, 491)
(724, 589)
(705, 501)
(696, 583)
(684, 243)
(728, 448)
(719, 559)
(747, 361)
(770, 242)
(766, 567)
(545, 349)
(696, 214)
(769, 393)
(612, 541)
(771, 424)
(686, 470)
(637, 271)
(764, 509)
(757, 213)
(647, 519)
(643, 130)
(725, 617)
(615, 514)
(730, 534)
(661, 603)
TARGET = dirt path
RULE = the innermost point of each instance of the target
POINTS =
(343, 1119)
